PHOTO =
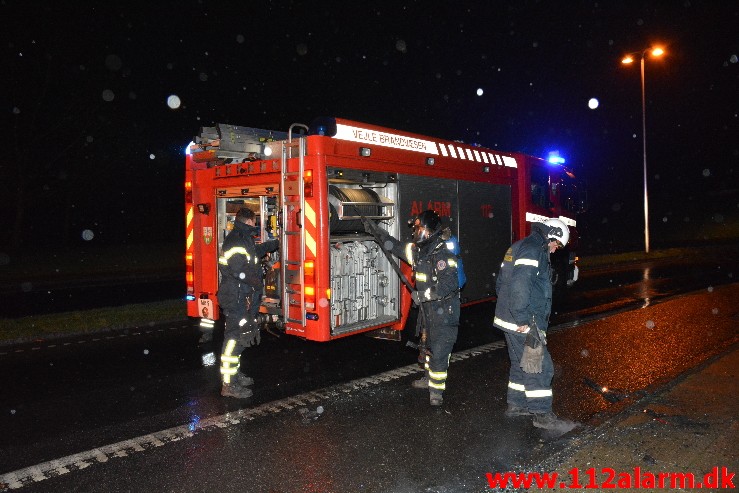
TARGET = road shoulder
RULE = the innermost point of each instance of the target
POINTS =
(689, 426)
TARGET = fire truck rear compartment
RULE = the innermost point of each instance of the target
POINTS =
(364, 287)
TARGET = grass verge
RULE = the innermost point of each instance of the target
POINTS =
(90, 321)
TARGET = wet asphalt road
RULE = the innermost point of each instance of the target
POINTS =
(67, 397)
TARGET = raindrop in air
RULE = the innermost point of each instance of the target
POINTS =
(113, 63)
(173, 102)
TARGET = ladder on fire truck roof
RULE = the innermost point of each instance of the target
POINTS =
(292, 197)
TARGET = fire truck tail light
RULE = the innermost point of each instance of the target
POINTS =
(309, 288)
(188, 259)
(188, 192)
(189, 277)
(308, 181)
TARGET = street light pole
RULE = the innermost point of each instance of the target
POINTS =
(644, 148)
(628, 59)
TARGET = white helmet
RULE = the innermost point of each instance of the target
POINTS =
(557, 230)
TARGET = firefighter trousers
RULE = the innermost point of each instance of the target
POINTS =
(532, 391)
(238, 321)
(442, 322)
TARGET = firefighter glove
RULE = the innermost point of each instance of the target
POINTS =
(251, 336)
(416, 297)
(533, 353)
(369, 228)
(430, 294)
(273, 246)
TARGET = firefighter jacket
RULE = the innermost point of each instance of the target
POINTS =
(239, 264)
(524, 285)
(435, 267)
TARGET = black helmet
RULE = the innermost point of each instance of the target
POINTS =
(427, 224)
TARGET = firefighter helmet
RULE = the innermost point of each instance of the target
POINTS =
(427, 224)
(557, 230)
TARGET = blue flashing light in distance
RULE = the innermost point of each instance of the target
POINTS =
(555, 158)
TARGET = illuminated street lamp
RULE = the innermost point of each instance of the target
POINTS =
(655, 52)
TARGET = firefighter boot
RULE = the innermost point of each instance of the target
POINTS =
(243, 380)
(435, 398)
(233, 389)
(514, 411)
(550, 421)
(421, 383)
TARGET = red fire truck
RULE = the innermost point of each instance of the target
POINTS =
(311, 186)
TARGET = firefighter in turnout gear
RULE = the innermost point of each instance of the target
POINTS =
(239, 295)
(522, 311)
(436, 294)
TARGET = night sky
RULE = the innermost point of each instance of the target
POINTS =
(91, 143)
